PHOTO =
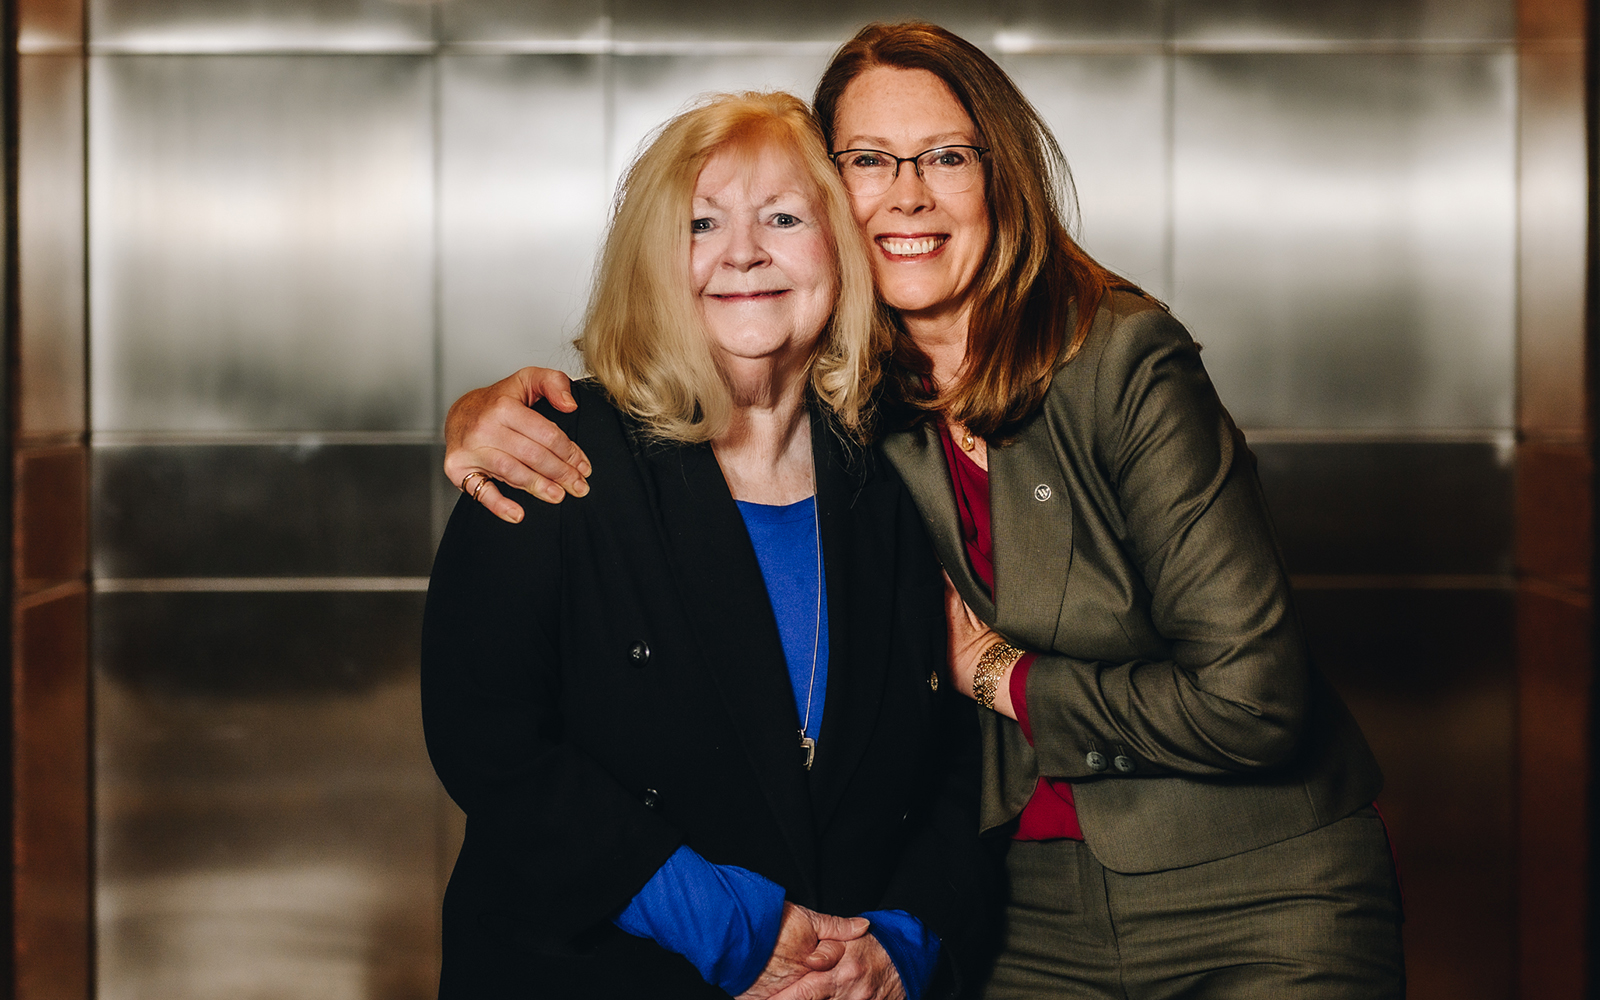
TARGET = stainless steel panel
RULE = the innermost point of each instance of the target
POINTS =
(1430, 676)
(650, 89)
(514, 21)
(1109, 113)
(1413, 508)
(299, 645)
(263, 510)
(261, 243)
(1224, 21)
(522, 203)
(232, 26)
(50, 242)
(265, 846)
(1076, 22)
(825, 20)
(1344, 232)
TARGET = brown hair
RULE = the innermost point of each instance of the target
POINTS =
(1034, 271)
(643, 338)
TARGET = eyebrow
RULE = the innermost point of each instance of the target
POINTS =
(933, 141)
(796, 193)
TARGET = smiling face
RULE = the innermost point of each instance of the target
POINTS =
(927, 247)
(761, 258)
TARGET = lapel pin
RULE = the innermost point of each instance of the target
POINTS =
(1041, 492)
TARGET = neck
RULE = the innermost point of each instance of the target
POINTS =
(943, 338)
(765, 453)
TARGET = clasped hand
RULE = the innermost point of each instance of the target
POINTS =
(820, 956)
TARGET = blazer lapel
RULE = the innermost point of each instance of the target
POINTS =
(859, 549)
(919, 458)
(723, 591)
(1032, 519)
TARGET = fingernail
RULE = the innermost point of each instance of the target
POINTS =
(580, 489)
(516, 517)
(567, 396)
(585, 468)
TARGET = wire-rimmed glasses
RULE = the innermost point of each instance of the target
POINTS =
(945, 169)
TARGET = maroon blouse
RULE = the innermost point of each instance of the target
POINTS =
(1050, 814)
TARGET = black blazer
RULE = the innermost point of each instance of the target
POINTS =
(1134, 553)
(604, 682)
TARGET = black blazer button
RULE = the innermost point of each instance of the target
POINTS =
(1096, 761)
(639, 653)
(1123, 764)
(651, 798)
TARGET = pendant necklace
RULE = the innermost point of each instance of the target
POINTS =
(808, 746)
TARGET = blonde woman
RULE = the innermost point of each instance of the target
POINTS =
(698, 719)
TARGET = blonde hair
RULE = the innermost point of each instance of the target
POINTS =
(643, 337)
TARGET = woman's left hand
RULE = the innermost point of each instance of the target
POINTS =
(864, 973)
(969, 639)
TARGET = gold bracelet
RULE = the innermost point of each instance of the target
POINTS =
(994, 662)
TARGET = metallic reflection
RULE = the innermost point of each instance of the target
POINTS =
(50, 243)
(833, 20)
(1046, 21)
(1553, 229)
(1344, 235)
(1109, 114)
(265, 848)
(282, 25)
(1236, 21)
(513, 21)
(522, 202)
(261, 243)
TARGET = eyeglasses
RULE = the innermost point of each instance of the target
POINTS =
(945, 169)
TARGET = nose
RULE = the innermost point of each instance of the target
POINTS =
(908, 192)
(745, 249)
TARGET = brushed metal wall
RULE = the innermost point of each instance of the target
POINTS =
(313, 223)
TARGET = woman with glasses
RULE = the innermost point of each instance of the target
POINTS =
(696, 720)
(1185, 802)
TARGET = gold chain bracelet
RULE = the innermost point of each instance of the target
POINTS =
(994, 662)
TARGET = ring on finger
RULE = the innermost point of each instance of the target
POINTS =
(468, 478)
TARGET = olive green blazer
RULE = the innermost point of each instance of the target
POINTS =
(1133, 552)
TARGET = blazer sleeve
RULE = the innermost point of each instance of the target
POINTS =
(1233, 695)
(558, 841)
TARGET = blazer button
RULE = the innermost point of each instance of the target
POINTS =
(639, 653)
(933, 679)
(1123, 764)
(651, 798)
(1096, 761)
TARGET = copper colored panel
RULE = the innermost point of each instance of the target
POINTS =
(52, 516)
(1550, 19)
(44, 25)
(50, 238)
(1553, 520)
(51, 771)
(1553, 209)
(1554, 681)
(1429, 675)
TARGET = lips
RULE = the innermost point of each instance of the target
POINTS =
(912, 246)
(770, 293)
